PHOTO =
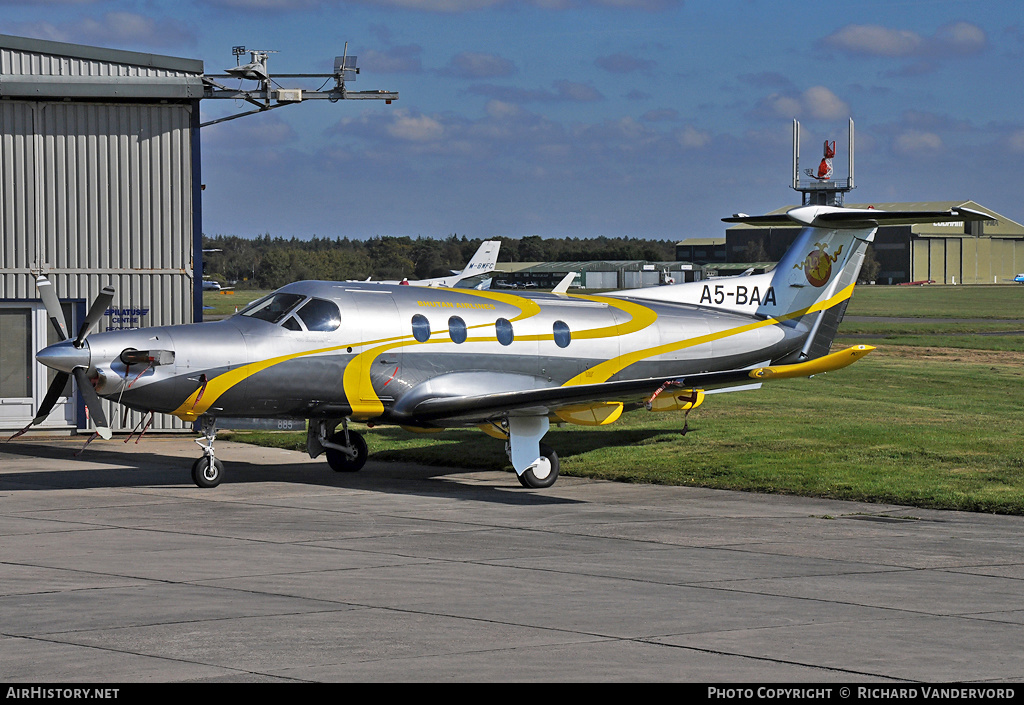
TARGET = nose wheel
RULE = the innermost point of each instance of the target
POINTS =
(207, 471)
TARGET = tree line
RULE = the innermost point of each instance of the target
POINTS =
(267, 262)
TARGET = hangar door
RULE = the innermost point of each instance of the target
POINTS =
(24, 328)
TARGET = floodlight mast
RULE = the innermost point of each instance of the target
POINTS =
(268, 93)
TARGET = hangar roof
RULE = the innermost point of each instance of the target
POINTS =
(41, 69)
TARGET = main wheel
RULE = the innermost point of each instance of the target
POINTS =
(544, 470)
(207, 471)
(340, 462)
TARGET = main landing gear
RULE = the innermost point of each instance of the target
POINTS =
(535, 463)
(346, 450)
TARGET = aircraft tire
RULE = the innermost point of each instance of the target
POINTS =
(540, 479)
(207, 472)
(340, 462)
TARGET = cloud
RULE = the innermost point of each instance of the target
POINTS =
(692, 138)
(824, 104)
(660, 115)
(400, 59)
(415, 128)
(124, 29)
(477, 65)
(874, 40)
(1015, 142)
(817, 102)
(624, 63)
(956, 39)
(562, 91)
(917, 143)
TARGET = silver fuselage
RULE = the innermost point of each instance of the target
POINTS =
(373, 366)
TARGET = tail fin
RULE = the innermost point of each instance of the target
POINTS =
(813, 282)
(485, 259)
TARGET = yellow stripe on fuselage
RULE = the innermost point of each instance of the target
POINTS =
(604, 371)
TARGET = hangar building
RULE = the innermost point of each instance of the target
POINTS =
(952, 252)
(100, 185)
(99, 166)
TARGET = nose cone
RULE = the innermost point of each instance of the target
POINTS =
(64, 356)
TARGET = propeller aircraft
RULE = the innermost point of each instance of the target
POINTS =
(509, 363)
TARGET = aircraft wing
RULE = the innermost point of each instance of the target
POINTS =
(481, 407)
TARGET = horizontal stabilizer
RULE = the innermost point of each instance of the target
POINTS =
(835, 217)
(826, 363)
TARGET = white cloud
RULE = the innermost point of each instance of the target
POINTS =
(917, 143)
(116, 29)
(471, 64)
(1015, 142)
(401, 59)
(956, 38)
(415, 128)
(822, 103)
(874, 40)
(692, 138)
(816, 102)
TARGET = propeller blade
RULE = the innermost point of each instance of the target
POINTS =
(100, 305)
(92, 401)
(52, 304)
(52, 395)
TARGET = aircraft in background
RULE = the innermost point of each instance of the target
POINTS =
(209, 285)
(482, 263)
(1019, 278)
(508, 363)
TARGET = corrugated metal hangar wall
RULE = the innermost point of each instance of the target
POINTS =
(99, 177)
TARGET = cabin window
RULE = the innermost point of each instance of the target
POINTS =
(320, 315)
(503, 328)
(562, 334)
(457, 329)
(272, 308)
(420, 328)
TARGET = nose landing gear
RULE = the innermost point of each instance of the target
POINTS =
(207, 471)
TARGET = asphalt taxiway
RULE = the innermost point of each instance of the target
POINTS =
(116, 568)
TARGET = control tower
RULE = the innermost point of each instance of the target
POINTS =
(819, 187)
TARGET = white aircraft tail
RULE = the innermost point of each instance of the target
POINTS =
(485, 259)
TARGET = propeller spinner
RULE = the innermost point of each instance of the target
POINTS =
(70, 357)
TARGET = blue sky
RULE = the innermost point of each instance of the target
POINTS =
(578, 118)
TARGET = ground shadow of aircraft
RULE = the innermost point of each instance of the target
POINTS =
(111, 469)
(509, 364)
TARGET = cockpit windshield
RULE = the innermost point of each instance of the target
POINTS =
(272, 308)
(320, 315)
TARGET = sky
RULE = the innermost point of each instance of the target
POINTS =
(582, 118)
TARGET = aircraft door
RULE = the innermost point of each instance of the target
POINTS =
(373, 376)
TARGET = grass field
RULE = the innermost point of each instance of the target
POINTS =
(933, 418)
